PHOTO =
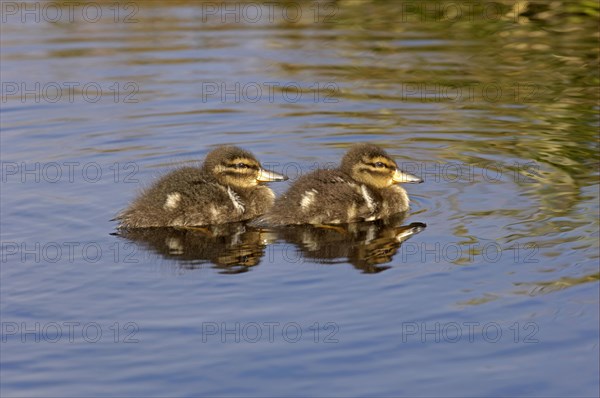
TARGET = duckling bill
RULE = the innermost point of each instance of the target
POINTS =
(226, 188)
(363, 188)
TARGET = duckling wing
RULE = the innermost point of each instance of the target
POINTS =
(322, 197)
(154, 205)
(183, 197)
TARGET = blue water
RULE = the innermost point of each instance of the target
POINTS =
(499, 295)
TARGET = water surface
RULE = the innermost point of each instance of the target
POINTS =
(496, 108)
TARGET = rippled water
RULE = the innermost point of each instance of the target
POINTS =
(495, 105)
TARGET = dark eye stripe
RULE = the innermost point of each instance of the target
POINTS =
(378, 165)
(242, 165)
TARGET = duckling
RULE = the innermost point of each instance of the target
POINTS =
(226, 188)
(363, 188)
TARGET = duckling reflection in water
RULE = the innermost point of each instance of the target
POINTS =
(363, 188)
(236, 247)
(225, 189)
(233, 247)
(366, 245)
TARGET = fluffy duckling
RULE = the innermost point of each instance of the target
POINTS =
(226, 188)
(363, 188)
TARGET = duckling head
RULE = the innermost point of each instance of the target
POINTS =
(236, 167)
(372, 166)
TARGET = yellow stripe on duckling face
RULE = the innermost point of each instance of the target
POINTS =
(381, 172)
(375, 171)
(245, 172)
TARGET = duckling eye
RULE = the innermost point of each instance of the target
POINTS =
(379, 165)
(241, 166)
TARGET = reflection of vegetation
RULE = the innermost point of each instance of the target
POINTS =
(537, 288)
(556, 285)
(570, 9)
(546, 111)
(479, 300)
